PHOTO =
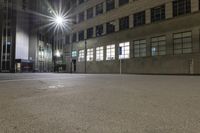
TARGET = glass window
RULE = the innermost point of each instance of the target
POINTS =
(182, 42)
(74, 53)
(139, 18)
(74, 37)
(81, 17)
(110, 52)
(80, 1)
(99, 9)
(124, 23)
(158, 13)
(110, 27)
(99, 54)
(181, 7)
(124, 50)
(158, 46)
(110, 4)
(81, 35)
(122, 2)
(81, 56)
(90, 55)
(89, 13)
(90, 32)
(140, 48)
(99, 30)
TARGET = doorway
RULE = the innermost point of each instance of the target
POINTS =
(73, 65)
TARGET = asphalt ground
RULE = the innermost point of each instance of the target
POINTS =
(78, 103)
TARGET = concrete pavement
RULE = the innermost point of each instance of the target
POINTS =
(67, 103)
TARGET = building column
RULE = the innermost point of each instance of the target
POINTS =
(195, 40)
(131, 21)
(116, 3)
(148, 47)
(169, 44)
(148, 16)
(194, 5)
(169, 10)
(104, 28)
(117, 25)
(104, 7)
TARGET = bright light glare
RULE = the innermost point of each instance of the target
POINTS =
(58, 54)
(59, 20)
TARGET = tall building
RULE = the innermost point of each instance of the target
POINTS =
(135, 36)
(24, 46)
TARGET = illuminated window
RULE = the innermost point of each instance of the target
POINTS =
(140, 48)
(81, 55)
(124, 50)
(110, 52)
(99, 54)
(158, 46)
(90, 55)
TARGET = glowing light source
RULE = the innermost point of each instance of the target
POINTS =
(58, 54)
(59, 20)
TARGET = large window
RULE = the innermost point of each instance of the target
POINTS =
(140, 48)
(81, 35)
(89, 13)
(110, 4)
(81, 56)
(110, 27)
(99, 9)
(99, 54)
(99, 30)
(158, 46)
(110, 52)
(158, 13)
(124, 23)
(81, 17)
(182, 42)
(139, 18)
(181, 7)
(124, 50)
(122, 2)
(90, 54)
(74, 37)
(90, 32)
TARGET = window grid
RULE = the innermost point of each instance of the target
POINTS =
(158, 46)
(90, 55)
(110, 52)
(124, 52)
(81, 56)
(158, 13)
(139, 18)
(99, 54)
(181, 7)
(140, 48)
(182, 43)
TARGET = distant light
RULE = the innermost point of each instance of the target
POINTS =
(58, 54)
(59, 20)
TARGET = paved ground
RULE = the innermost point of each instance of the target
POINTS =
(64, 103)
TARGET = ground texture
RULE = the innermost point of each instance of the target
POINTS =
(65, 103)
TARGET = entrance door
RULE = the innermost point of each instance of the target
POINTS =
(73, 65)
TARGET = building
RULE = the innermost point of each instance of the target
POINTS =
(135, 36)
(24, 46)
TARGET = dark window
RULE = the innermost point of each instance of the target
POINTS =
(181, 7)
(89, 13)
(74, 37)
(81, 17)
(90, 32)
(122, 2)
(74, 20)
(99, 9)
(99, 30)
(110, 27)
(139, 18)
(81, 35)
(110, 4)
(67, 39)
(124, 23)
(158, 13)
(80, 1)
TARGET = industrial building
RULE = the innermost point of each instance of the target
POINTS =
(135, 36)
